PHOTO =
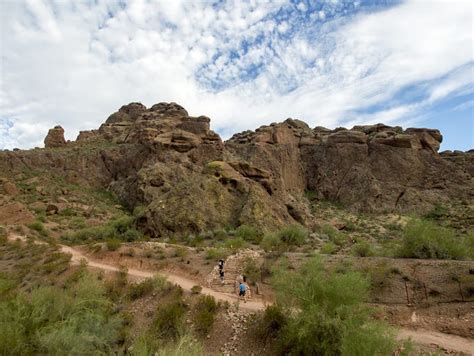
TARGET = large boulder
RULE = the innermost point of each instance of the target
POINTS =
(55, 138)
(429, 138)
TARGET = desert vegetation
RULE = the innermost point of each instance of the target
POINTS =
(323, 313)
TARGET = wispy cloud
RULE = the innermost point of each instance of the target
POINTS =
(242, 63)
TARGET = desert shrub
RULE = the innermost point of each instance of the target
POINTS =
(379, 275)
(78, 222)
(141, 289)
(39, 227)
(131, 235)
(66, 212)
(220, 234)
(78, 320)
(206, 308)
(119, 228)
(362, 249)
(439, 211)
(334, 235)
(425, 239)
(235, 243)
(196, 289)
(248, 233)
(326, 313)
(270, 242)
(252, 271)
(329, 248)
(168, 321)
(293, 235)
(270, 323)
(215, 254)
(113, 244)
(185, 345)
(180, 252)
(145, 344)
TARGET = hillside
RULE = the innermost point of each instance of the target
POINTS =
(371, 224)
(167, 164)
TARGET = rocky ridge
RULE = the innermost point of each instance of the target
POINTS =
(187, 180)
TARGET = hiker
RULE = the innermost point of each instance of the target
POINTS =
(221, 270)
(242, 291)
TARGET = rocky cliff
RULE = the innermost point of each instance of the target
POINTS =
(187, 180)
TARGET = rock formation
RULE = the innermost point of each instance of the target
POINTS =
(189, 181)
(55, 138)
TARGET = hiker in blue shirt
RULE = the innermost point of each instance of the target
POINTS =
(243, 287)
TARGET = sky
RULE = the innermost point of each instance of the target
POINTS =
(242, 63)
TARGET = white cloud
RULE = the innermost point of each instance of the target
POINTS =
(73, 63)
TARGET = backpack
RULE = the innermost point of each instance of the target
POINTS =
(242, 287)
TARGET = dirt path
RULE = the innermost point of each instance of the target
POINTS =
(184, 283)
(446, 341)
(419, 336)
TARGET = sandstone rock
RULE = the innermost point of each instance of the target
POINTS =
(170, 110)
(430, 139)
(88, 136)
(400, 141)
(55, 138)
(346, 136)
(52, 209)
(370, 129)
(15, 213)
(189, 181)
(133, 110)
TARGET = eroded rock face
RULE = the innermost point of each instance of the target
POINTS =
(189, 181)
(55, 138)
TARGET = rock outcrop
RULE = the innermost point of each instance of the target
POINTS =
(55, 138)
(188, 181)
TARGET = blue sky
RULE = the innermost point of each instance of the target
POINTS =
(242, 63)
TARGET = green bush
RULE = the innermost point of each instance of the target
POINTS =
(206, 308)
(120, 228)
(39, 227)
(215, 254)
(146, 287)
(235, 243)
(248, 233)
(329, 248)
(334, 235)
(363, 249)
(293, 235)
(425, 239)
(252, 271)
(142, 289)
(168, 321)
(113, 244)
(78, 320)
(184, 346)
(327, 314)
(196, 289)
(438, 212)
(180, 252)
(269, 325)
(270, 242)
(146, 344)
(67, 212)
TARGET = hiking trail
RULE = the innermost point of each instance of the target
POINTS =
(419, 336)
